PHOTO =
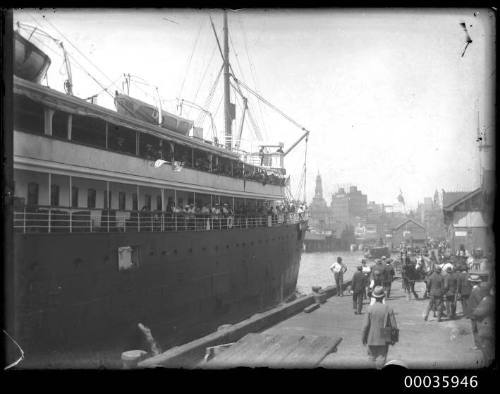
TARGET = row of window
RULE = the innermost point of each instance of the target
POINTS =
(29, 116)
(33, 193)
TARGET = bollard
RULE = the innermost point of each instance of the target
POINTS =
(131, 358)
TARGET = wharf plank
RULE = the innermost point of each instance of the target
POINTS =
(277, 351)
(285, 345)
(230, 357)
(310, 352)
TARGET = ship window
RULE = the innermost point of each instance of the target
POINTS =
(166, 150)
(91, 198)
(90, 131)
(54, 195)
(147, 203)
(60, 124)
(159, 205)
(134, 202)
(32, 193)
(121, 201)
(183, 153)
(121, 139)
(149, 146)
(28, 115)
(201, 160)
(74, 197)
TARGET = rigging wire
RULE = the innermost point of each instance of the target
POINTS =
(191, 57)
(255, 126)
(204, 74)
(75, 62)
(252, 71)
(78, 50)
(258, 96)
(202, 116)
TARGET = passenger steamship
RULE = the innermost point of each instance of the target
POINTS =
(103, 238)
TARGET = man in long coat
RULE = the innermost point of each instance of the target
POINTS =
(479, 291)
(450, 292)
(358, 290)
(388, 277)
(464, 288)
(436, 289)
(373, 335)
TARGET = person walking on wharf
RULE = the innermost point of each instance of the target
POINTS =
(484, 314)
(366, 272)
(436, 288)
(339, 268)
(450, 292)
(464, 288)
(479, 291)
(389, 274)
(377, 318)
(358, 290)
(377, 278)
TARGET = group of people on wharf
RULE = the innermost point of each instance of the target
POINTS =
(444, 288)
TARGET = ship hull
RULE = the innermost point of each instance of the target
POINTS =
(70, 294)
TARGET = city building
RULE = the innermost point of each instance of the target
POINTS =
(350, 207)
(468, 220)
(320, 215)
(410, 232)
(430, 214)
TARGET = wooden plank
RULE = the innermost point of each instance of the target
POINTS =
(251, 352)
(243, 343)
(284, 345)
(305, 342)
(235, 352)
(309, 353)
(255, 356)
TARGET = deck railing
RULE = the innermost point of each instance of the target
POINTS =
(57, 220)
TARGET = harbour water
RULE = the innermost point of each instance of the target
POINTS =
(315, 268)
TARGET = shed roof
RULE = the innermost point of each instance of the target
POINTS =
(451, 199)
(407, 221)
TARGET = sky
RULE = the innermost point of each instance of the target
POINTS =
(390, 103)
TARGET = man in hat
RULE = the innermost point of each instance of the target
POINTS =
(484, 315)
(389, 274)
(464, 288)
(339, 268)
(366, 270)
(450, 292)
(377, 278)
(373, 334)
(436, 288)
(358, 290)
(479, 291)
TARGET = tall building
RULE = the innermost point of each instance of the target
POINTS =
(349, 207)
(319, 213)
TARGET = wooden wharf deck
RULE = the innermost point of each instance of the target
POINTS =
(330, 337)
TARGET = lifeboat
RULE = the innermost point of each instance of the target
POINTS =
(126, 105)
(30, 62)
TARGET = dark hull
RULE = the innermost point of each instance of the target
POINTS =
(69, 293)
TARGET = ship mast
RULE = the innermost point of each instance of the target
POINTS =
(228, 116)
